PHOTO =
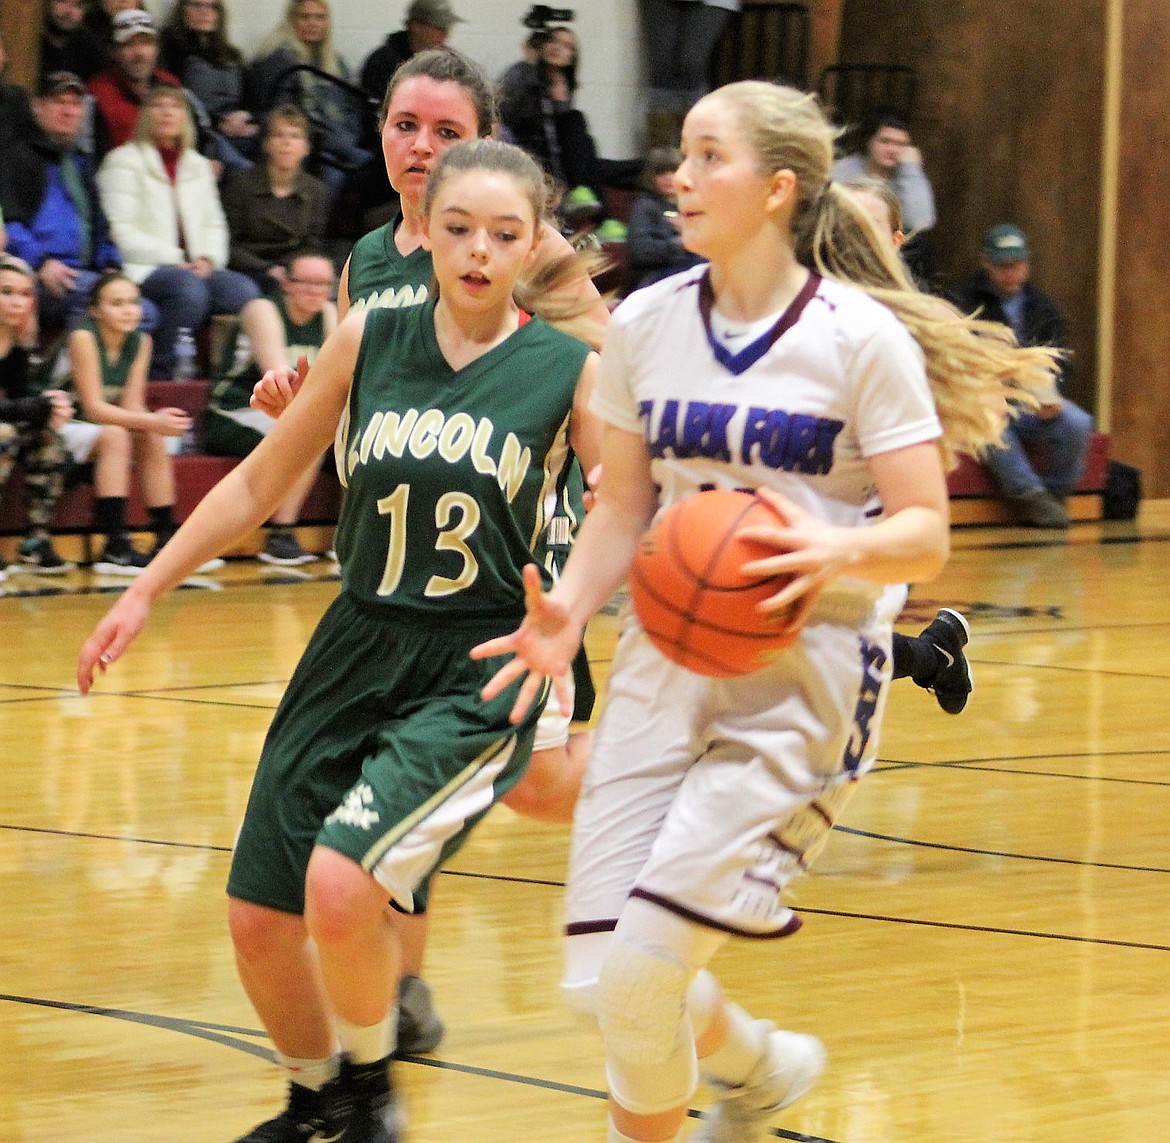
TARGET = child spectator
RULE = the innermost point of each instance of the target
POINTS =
(277, 208)
(652, 235)
(29, 421)
(271, 334)
(104, 361)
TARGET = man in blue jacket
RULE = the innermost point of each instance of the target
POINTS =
(50, 204)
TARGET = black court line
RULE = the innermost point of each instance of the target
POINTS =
(232, 1037)
(990, 930)
(200, 847)
(1062, 541)
(976, 851)
(981, 768)
(553, 883)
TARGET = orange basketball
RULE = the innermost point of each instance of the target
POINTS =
(690, 593)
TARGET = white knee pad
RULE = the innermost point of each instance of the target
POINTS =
(650, 1051)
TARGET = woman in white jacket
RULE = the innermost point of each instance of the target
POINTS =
(162, 201)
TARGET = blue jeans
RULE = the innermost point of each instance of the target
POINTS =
(65, 311)
(1065, 442)
(186, 301)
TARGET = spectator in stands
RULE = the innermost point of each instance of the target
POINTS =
(1002, 292)
(99, 18)
(15, 108)
(3, 233)
(121, 89)
(272, 334)
(653, 241)
(679, 39)
(337, 115)
(29, 421)
(276, 209)
(104, 362)
(67, 44)
(889, 153)
(428, 25)
(165, 215)
(194, 45)
(49, 197)
(537, 112)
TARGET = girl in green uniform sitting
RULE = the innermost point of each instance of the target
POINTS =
(105, 362)
(381, 756)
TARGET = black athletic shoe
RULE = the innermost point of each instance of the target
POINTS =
(361, 1107)
(297, 1123)
(948, 633)
(419, 1026)
(37, 554)
(121, 558)
(282, 549)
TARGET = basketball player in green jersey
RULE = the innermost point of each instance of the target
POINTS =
(434, 100)
(381, 756)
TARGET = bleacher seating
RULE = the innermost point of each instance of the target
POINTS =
(195, 475)
(975, 500)
(973, 496)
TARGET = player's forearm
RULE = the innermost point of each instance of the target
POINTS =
(600, 560)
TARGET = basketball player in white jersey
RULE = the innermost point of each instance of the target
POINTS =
(704, 797)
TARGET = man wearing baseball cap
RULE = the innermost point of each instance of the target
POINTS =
(428, 25)
(121, 88)
(51, 205)
(1002, 292)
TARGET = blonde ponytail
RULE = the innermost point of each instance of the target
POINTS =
(977, 373)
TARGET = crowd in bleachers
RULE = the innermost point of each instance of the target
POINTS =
(159, 150)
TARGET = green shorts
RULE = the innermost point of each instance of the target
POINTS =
(381, 749)
(221, 436)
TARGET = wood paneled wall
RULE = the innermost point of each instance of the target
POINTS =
(1141, 326)
(1010, 118)
(20, 26)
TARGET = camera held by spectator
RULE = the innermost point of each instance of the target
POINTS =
(541, 15)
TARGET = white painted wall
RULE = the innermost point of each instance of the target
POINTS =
(610, 73)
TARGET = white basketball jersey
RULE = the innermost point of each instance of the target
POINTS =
(843, 381)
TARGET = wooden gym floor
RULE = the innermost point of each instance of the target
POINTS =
(985, 952)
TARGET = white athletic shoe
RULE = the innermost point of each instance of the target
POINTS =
(791, 1065)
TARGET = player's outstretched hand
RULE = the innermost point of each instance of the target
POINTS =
(543, 645)
(110, 638)
(274, 391)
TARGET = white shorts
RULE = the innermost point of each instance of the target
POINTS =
(79, 438)
(707, 796)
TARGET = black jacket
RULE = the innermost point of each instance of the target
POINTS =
(1043, 319)
(18, 406)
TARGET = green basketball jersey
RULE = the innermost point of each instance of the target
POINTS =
(236, 373)
(381, 278)
(58, 373)
(450, 476)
